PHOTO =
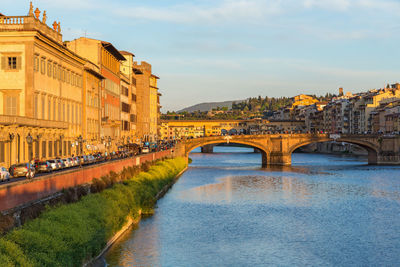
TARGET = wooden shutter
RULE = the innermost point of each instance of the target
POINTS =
(13, 105)
(3, 63)
(19, 59)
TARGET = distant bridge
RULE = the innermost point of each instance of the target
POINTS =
(277, 149)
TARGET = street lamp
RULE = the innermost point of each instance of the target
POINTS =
(109, 143)
(76, 148)
(72, 145)
(61, 145)
(29, 140)
(11, 135)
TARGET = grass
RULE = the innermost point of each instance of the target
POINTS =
(69, 235)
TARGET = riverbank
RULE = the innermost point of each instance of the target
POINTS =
(73, 234)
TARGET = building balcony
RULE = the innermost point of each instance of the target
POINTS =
(8, 120)
(28, 23)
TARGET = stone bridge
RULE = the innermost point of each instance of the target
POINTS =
(277, 149)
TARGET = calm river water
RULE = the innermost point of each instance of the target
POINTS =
(325, 210)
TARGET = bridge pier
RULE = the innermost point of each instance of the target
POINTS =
(264, 159)
(279, 158)
(207, 149)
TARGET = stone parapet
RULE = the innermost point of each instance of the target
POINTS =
(26, 191)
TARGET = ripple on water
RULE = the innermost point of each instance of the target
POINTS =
(225, 211)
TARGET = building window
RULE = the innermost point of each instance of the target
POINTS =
(54, 71)
(67, 112)
(59, 111)
(72, 114)
(50, 148)
(2, 152)
(54, 109)
(59, 72)
(36, 63)
(11, 105)
(55, 148)
(43, 66)
(43, 102)
(49, 69)
(63, 113)
(69, 147)
(49, 109)
(12, 63)
(35, 106)
(126, 107)
(43, 149)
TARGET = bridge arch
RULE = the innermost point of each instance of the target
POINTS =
(372, 149)
(265, 153)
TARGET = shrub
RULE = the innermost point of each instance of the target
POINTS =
(68, 235)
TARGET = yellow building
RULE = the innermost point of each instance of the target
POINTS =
(41, 85)
(147, 104)
(303, 100)
(108, 59)
(177, 129)
(91, 108)
(128, 96)
(154, 107)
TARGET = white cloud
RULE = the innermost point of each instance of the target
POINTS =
(223, 11)
(328, 4)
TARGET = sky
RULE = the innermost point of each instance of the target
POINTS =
(218, 50)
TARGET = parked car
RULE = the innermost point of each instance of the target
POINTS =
(22, 169)
(73, 162)
(99, 157)
(145, 150)
(4, 174)
(61, 164)
(68, 163)
(43, 166)
(54, 164)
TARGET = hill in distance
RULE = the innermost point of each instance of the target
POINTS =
(210, 105)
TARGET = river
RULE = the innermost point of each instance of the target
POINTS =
(324, 210)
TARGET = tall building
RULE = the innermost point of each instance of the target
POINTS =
(128, 98)
(91, 107)
(147, 103)
(108, 58)
(41, 83)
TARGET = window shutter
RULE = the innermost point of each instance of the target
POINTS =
(3, 63)
(14, 105)
(19, 63)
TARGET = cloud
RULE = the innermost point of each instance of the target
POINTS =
(328, 4)
(222, 11)
(346, 5)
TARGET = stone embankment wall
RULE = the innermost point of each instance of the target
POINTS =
(72, 234)
(27, 191)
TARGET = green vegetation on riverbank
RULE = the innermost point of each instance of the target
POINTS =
(71, 234)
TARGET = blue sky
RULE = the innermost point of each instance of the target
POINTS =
(219, 50)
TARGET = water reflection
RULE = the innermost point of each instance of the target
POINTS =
(245, 189)
(323, 211)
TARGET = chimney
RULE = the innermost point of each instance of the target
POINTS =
(341, 91)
